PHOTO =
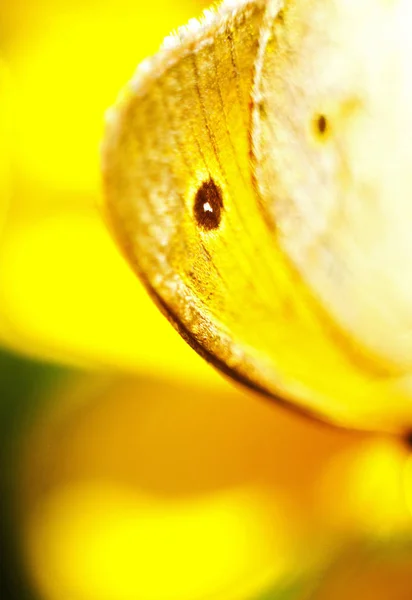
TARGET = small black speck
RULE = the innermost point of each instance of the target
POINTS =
(321, 124)
(208, 205)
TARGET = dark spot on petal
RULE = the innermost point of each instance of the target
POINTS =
(321, 126)
(208, 205)
(262, 109)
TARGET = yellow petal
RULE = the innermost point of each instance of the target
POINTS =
(220, 239)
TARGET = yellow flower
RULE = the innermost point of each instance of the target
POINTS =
(165, 483)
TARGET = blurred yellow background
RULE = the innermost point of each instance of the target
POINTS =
(165, 482)
(65, 292)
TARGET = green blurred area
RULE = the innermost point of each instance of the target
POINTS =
(24, 387)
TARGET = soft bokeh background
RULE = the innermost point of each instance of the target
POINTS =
(130, 470)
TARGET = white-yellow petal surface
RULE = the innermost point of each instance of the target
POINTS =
(257, 177)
